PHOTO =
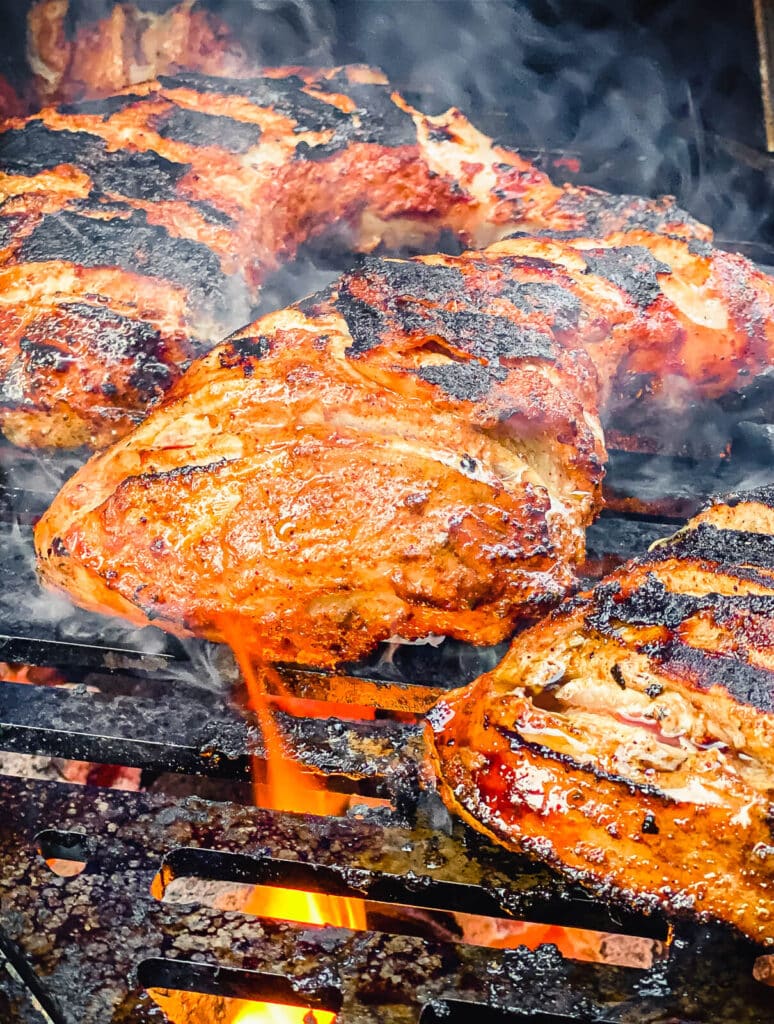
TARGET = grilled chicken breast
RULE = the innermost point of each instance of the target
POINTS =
(137, 228)
(396, 456)
(415, 451)
(629, 738)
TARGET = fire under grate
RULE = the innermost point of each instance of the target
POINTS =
(88, 948)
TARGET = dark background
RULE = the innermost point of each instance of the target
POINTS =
(654, 97)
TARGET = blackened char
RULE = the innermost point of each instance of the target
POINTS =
(376, 119)
(743, 681)
(467, 382)
(285, 95)
(653, 604)
(725, 547)
(200, 129)
(125, 172)
(105, 107)
(632, 268)
(127, 241)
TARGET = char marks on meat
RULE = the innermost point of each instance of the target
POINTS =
(629, 738)
(173, 200)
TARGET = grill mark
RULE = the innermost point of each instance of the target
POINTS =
(464, 381)
(516, 742)
(376, 119)
(744, 682)
(201, 129)
(105, 107)
(480, 334)
(726, 547)
(553, 300)
(242, 352)
(633, 268)
(401, 279)
(128, 242)
(138, 175)
(652, 604)
(285, 95)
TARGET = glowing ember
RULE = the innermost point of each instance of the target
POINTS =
(287, 788)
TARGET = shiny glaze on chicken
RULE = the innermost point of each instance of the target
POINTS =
(415, 451)
(628, 739)
(137, 228)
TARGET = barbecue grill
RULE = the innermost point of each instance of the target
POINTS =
(134, 914)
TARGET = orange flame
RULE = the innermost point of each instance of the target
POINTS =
(286, 788)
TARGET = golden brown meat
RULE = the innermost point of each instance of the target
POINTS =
(399, 456)
(137, 228)
(78, 50)
(467, 378)
(629, 738)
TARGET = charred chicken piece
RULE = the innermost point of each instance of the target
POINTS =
(629, 738)
(449, 405)
(393, 457)
(136, 228)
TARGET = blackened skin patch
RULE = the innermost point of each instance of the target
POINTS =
(105, 108)
(726, 547)
(376, 119)
(744, 682)
(484, 336)
(652, 604)
(632, 268)
(285, 95)
(552, 300)
(128, 242)
(602, 213)
(240, 352)
(200, 129)
(116, 341)
(137, 175)
(407, 298)
(463, 381)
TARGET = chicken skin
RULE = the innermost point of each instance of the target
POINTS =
(136, 229)
(628, 739)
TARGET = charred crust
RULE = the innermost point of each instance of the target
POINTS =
(104, 108)
(744, 682)
(552, 300)
(197, 128)
(407, 297)
(697, 247)
(618, 676)
(284, 95)
(128, 242)
(649, 826)
(115, 340)
(762, 495)
(632, 268)
(124, 172)
(57, 548)
(243, 352)
(652, 604)
(725, 547)
(463, 381)
(602, 213)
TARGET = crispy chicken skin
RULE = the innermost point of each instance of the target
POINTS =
(136, 228)
(628, 739)
(386, 458)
